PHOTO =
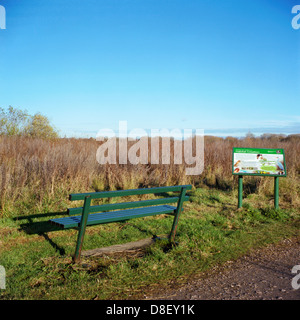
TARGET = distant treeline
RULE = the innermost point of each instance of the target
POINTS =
(16, 122)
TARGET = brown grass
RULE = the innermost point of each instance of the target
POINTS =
(35, 173)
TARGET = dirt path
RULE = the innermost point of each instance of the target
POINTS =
(263, 274)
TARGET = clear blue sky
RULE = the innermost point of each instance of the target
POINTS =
(225, 66)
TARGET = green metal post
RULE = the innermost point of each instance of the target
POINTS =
(177, 214)
(82, 227)
(276, 192)
(240, 200)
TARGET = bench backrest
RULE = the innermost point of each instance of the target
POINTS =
(127, 205)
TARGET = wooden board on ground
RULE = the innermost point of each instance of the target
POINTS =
(121, 248)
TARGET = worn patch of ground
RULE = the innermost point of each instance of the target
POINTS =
(264, 274)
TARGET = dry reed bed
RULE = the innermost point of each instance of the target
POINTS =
(35, 168)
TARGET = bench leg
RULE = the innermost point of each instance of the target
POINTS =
(82, 227)
(177, 214)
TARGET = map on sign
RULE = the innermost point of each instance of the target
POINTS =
(250, 161)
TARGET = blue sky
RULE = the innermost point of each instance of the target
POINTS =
(223, 66)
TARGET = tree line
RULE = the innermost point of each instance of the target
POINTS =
(16, 122)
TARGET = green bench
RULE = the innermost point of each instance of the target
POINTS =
(89, 215)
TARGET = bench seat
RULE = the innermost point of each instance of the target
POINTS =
(120, 215)
(89, 215)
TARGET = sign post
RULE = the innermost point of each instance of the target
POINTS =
(258, 162)
(276, 192)
(240, 200)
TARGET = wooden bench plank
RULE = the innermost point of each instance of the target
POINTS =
(125, 205)
(123, 193)
(113, 216)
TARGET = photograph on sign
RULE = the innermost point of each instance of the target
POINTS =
(259, 162)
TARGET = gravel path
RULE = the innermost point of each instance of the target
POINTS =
(264, 274)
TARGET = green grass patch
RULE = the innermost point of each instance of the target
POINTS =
(211, 230)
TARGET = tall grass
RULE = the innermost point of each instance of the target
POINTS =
(37, 175)
(35, 171)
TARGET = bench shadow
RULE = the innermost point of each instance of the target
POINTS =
(142, 230)
(41, 228)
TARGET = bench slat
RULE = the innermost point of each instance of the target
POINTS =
(100, 218)
(122, 193)
(125, 205)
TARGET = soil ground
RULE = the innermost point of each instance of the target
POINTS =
(264, 274)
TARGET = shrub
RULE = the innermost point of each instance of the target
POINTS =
(16, 122)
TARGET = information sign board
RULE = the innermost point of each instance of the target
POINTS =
(259, 162)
